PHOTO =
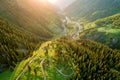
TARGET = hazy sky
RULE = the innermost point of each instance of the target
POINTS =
(63, 3)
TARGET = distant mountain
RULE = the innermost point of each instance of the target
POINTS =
(92, 9)
(64, 3)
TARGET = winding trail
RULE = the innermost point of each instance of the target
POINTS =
(65, 75)
(76, 23)
(25, 68)
(78, 31)
(41, 65)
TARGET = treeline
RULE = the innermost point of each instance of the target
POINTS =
(16, 44)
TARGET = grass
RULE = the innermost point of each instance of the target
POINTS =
(113, 31)
(5, 75)
(109, 33)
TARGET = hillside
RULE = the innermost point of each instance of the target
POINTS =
(24, 25)
(38, 17)
(16, 44)
(105, 31)
(91, 10)
(68, 59)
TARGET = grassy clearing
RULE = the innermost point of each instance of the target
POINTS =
(5, 75)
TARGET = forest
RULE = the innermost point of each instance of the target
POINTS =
(87, 59)
(16, 44)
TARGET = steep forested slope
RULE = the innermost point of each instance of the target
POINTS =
(91, 10)
(106, 31)
(15, 43)
(36, 16)
(23, 25)
(67, 59)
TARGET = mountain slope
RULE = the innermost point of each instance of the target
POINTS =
(24, 24)
(67, 59)
(36, 16)
(16, 44)
(106, 31)
(91, 10)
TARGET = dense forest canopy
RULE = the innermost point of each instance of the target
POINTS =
(87, 59)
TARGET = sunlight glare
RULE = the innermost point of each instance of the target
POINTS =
(52, 1)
